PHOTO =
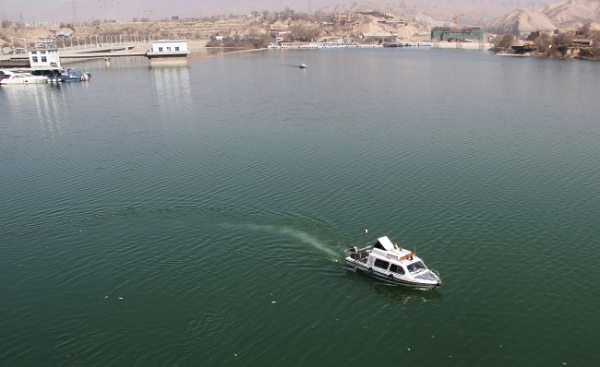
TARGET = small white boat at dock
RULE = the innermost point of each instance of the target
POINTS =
(386, 261)
(21, 77)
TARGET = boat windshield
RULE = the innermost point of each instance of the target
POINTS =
(416, 267)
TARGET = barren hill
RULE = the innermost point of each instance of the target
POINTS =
(438, 12)
(573, 11)
(564, 14)
(521, 21)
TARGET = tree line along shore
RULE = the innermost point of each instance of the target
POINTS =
(583, 43)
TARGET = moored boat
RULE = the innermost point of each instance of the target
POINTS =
(386, 261)
(21, 77)
(73, 75)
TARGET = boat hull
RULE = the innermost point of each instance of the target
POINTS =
(28, 80)
(72, 75)
(70, 79)
(387, 277)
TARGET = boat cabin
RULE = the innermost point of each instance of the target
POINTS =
(386, 261)
(389, 257)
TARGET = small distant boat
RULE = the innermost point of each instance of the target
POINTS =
(392, 264)
(21, 77)
(73, 75)
(424, 44)
(302, 66)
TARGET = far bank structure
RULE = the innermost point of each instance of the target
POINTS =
(168, 51)
(441, 37)
(466, 34)
(47, 61)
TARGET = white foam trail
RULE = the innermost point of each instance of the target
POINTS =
(302, 236)
(306, 238)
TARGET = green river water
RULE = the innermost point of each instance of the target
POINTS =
(198, 215)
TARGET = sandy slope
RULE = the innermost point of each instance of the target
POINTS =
(521, 21)
(564, 14)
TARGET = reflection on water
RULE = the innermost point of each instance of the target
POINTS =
(46, 102)
(172, 84)
(398, 295)
(49, 103)
(124, 62)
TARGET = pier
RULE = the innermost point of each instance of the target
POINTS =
(90, 53)
(156, 51)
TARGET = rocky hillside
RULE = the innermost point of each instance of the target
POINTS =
(564, 14)
(521, 21)
(572, 13)
(439, 12)
(155, 30)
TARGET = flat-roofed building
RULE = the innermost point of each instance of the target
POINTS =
(44, 59)
(457, 34)
(176, 50)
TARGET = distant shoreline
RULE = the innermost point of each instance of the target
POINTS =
(225, 53)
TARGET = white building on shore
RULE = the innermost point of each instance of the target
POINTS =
(46, 59)
(168, 51)
(169, 46)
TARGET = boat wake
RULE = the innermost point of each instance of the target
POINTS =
(299, 235)
(308, 239)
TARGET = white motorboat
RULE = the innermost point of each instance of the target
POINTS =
(21, 77)
(388, 262)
